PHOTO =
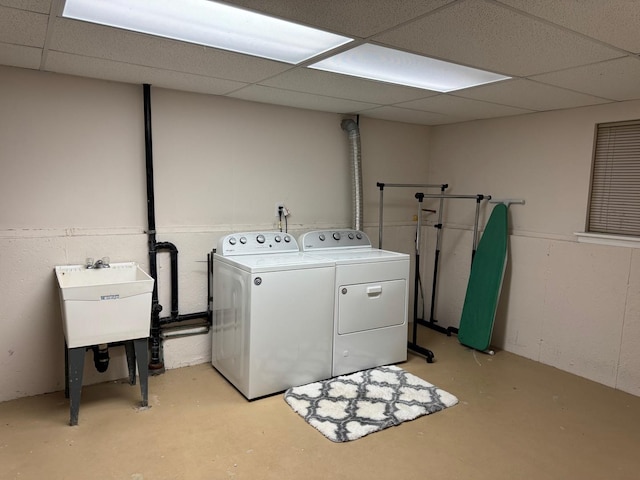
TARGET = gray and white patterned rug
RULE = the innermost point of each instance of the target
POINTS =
(351, 406)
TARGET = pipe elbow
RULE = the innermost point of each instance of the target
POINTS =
(349, 125)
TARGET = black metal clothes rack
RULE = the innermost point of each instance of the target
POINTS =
(432, 323)
(413, 342)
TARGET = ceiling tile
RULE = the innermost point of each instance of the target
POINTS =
(359, 18)
(40, 6)
(616, 79)
(462, 107)
(344, 86)
(406, 115)
(20, 56)
(128, 73)
(547, 40)
(616, 22)
(530, 95)
(97, 41)
(20, 27)
(259, 93)
(496, 38)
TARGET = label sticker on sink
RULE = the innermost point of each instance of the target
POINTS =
(109, 297)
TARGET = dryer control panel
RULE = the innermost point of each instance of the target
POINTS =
(252, 243)
(326, 239)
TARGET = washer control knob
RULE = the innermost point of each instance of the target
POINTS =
(243, 240)
(351, 236)
(232, 240)
(336, 235)
(359, 236)
(260, 238)
(322, 237)
(277, 239)
(287, 238)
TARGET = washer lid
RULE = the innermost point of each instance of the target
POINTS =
(365, 255)
(274, 262)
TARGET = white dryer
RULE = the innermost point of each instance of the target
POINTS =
(272, 313)
(370, 304)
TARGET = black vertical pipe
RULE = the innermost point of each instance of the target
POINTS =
(148, 143)
(155, 363)
(210, 287)
(173, 251)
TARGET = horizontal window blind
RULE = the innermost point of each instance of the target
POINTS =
(614, 207)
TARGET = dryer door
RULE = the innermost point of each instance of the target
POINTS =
(368, 306)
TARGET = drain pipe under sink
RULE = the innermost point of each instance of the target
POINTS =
(101, 357)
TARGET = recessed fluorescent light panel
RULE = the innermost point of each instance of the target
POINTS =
(209, 23)
(393, 66)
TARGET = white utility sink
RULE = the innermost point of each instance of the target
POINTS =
(103, 305)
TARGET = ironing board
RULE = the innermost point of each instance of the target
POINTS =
(485, 283)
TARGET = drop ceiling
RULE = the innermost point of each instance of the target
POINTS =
(559, 53)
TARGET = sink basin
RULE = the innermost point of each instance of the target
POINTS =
(103, 305)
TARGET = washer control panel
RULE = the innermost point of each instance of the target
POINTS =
(251, 243)
(325, 239)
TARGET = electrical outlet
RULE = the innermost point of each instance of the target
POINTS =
(279, 208)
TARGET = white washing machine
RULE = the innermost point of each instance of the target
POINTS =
(272, 313)
(371, 295)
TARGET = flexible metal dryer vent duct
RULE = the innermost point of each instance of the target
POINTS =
(353, 130)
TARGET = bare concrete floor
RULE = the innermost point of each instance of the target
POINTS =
(516, 420)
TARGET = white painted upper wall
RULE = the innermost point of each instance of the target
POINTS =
(392, 153)
(227, 162)
(70, 153)
(543, 158)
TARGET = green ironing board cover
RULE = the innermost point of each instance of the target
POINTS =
(485, 283)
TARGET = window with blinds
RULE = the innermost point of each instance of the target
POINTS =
(614, 206)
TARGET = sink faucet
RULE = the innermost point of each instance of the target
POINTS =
(100, 263)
